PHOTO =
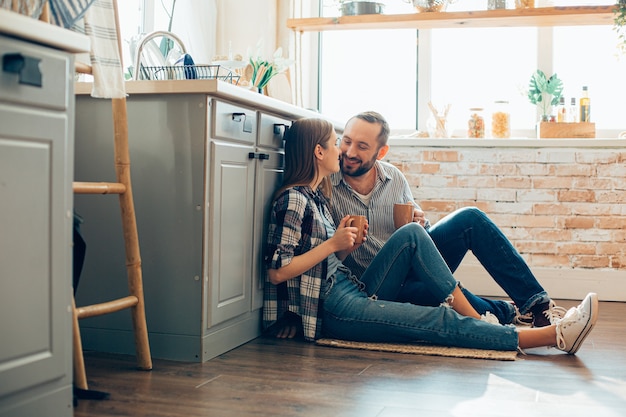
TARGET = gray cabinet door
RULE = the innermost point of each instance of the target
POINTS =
(269, 176)
(228, 262)
(35, 270)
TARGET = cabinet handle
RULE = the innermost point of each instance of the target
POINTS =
(280, 129)
(260, 156)
(239, 117)
(26, 67)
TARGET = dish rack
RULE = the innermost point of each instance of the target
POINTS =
(188, 72)
(178, 72)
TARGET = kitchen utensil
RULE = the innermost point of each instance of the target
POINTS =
(351, 8)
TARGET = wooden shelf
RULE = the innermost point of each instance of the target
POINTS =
(541, 16)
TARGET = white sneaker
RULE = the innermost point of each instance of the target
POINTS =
(575, 326)
(489, 318)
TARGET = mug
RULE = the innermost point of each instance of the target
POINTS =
(359, 222)
(402, 214)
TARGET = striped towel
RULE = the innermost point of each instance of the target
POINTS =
(99, 24)
(66, 13)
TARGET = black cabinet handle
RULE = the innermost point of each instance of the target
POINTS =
(260, 156)
(241, 117)
(26, 67)
(280, 129)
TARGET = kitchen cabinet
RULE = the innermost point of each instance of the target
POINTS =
(205, 163)
(540, 16)
(36, 150)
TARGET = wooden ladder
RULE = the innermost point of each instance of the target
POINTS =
(135, 300)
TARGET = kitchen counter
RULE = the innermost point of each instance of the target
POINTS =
(35, 31)
(207, 157)
(217, 89)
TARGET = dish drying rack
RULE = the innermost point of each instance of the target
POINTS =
(179, 72)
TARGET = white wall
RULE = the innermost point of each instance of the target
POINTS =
(243, 23)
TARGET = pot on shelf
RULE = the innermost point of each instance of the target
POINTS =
(352, 8)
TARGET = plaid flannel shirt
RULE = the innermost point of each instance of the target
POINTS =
(296, 226)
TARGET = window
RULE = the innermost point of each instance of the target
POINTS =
(397, 74)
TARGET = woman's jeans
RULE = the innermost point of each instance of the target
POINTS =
(365, 315)
(470, 229)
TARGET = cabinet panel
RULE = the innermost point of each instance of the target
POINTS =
(233, 122)
(272, 130)
(35, 226)
(46, 69)
(230, 223)
(269, 176)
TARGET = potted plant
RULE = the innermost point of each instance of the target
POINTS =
(544, 92)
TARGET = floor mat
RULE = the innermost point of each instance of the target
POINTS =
(423, 349)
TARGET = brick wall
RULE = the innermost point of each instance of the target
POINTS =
(561, 207)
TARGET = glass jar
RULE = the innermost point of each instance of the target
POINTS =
(501, 120)
(524, 4)
(496, 4)
(476, 123)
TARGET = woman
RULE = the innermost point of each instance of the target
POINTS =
(307, 279)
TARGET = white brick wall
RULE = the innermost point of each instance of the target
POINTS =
(562, 208)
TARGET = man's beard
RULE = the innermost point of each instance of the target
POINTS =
(359, 170)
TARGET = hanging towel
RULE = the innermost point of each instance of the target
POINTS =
(99, 24)
(66, 13)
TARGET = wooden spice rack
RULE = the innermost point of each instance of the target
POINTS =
(540, 16)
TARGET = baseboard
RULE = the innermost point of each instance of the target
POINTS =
(560, 283)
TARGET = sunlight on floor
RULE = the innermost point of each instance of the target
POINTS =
(502, 395)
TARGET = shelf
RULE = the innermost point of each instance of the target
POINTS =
(541, 16)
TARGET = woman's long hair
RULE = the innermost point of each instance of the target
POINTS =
(300, 162)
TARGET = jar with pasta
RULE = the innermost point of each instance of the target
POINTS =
(476, 123)
(501, 120)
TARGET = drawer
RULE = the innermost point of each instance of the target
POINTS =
(233, 122)
(272, 131)
(33, 75)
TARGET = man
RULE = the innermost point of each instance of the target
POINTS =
(368, 186)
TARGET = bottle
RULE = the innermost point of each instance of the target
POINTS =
(585, 106)
(572, 113)
(501, 120)
(476, 123)
(561, 111)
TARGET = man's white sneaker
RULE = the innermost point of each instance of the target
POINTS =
(575, 326)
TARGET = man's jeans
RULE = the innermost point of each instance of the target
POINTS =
(470, 229)
(366, 314)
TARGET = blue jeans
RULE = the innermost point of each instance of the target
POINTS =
(353, 313)
(470, 229)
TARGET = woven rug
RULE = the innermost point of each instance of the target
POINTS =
(423, 349)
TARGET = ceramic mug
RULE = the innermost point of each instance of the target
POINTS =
(402, 214)
(359, 222)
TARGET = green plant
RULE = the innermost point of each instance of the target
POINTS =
(619, 25)
(263, 71)
(544, 92)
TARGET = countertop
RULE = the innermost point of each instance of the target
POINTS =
(218, 89)
(33, 30)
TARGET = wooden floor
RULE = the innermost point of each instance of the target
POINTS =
(269, 377)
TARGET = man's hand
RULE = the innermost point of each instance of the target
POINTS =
(419, 217)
